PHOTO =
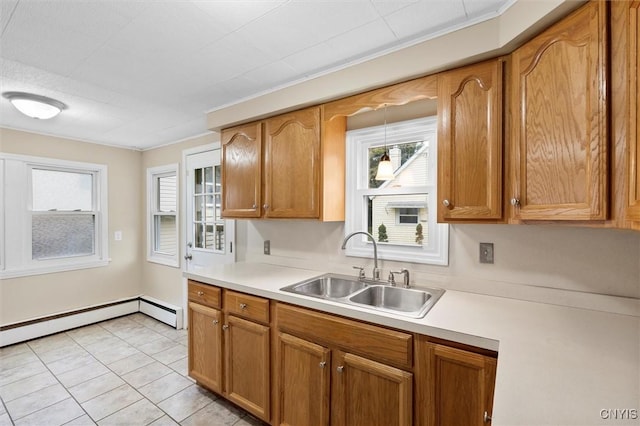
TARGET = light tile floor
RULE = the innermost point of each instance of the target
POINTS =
(126, 371)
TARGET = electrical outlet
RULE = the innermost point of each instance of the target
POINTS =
(117, 235)
(486, 252)
(267, 246)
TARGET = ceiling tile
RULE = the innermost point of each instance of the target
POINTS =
(476, 8)
(425, 18)
(362, 41)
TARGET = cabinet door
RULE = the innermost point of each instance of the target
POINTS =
(292, 165)
(461, 384)
(242, 171)
(205, 346)
(470, 143)
(247, 368)
(633, 60)
(304, 372)
(560, 120)
(368, 393)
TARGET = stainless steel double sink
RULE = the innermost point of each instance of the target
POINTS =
(409, 302)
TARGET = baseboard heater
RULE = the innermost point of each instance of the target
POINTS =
(32, 329)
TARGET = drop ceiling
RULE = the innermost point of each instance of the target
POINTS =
(142, 74)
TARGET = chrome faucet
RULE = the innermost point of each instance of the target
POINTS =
(405, 278)
(376, 271)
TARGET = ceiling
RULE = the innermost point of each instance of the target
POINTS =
(141, 74)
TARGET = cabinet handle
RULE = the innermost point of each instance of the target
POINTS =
(253, 207)
(216, 322)
(225, 327)
(243, 306)
(515, 202)
(486, 417)
(340, 368)
(446, 203)
(201, 293)
(266, 206)
(323, 364)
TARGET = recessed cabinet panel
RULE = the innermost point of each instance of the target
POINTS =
(205, 346)
(305, 371)
(633, 69)
(560, 120)
(242, 171)
(470, 143)
(292, 165)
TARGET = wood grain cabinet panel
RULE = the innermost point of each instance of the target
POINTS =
(559, 110)
(369, 393)
(242, 171)
(247, 368)
(304, 380)
(470, 143)
(460, 388)
(633, 68)
(292, 165)
(205, 346)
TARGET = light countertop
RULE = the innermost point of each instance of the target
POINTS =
(556, 365)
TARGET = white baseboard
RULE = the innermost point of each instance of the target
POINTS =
(56, 325)
(162, 311)
(15, 333)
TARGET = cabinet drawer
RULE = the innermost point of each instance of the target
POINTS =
(204, 294)
(378, 343)
(244, 305)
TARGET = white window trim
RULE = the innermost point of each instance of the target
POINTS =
(153, 256)
(436, 252)
(2, 204)
(17, 215)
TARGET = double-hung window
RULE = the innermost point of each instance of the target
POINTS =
(55, 215)
(162, 190)
(399, 213)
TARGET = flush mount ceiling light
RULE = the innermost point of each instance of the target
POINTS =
(35, 106)
(385, 168)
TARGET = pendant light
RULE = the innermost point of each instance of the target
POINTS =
(35, 106)
(385, 168)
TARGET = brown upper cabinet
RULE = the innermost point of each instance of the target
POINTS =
(242, 171)
(559, 127)
(285, 167)
(630, 20)
(470, 146)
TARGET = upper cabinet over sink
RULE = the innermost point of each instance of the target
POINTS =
(559, 128)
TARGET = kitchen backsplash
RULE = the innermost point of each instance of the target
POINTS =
(571, 266)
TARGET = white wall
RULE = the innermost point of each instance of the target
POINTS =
(553, 264)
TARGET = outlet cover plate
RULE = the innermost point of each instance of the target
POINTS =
(486, 252)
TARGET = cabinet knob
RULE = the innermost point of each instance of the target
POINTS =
(486, 417)
(515, 202)
(340, 369)
(215, 322)
(254, 206)
(323, 364)
(266, 206)
(225, 327)
(243, 306)
(201, 293)
(446, 203)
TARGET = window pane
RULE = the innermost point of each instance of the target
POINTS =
(208, 179)
(167, 194)
(166, 239)
(198, 207)
(219, 242)
(398, 219)
(218, 181)
(409, 161)
(210, 209)
(197, 180)
(209, 237)
(62, 191)
(65, 235)
(199, 235)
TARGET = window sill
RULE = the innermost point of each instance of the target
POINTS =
(17, 273)
(171, 262)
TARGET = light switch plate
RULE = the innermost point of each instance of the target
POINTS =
(117, 235)
(486, 252)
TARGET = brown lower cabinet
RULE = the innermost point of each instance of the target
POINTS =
(289, 365)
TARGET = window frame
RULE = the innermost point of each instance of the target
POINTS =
(153, 176)
(399, 215)
(436, 251)
(17, 212)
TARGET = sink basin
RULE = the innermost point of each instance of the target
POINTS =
(414, 303)
(327, 287)
(392, 298)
